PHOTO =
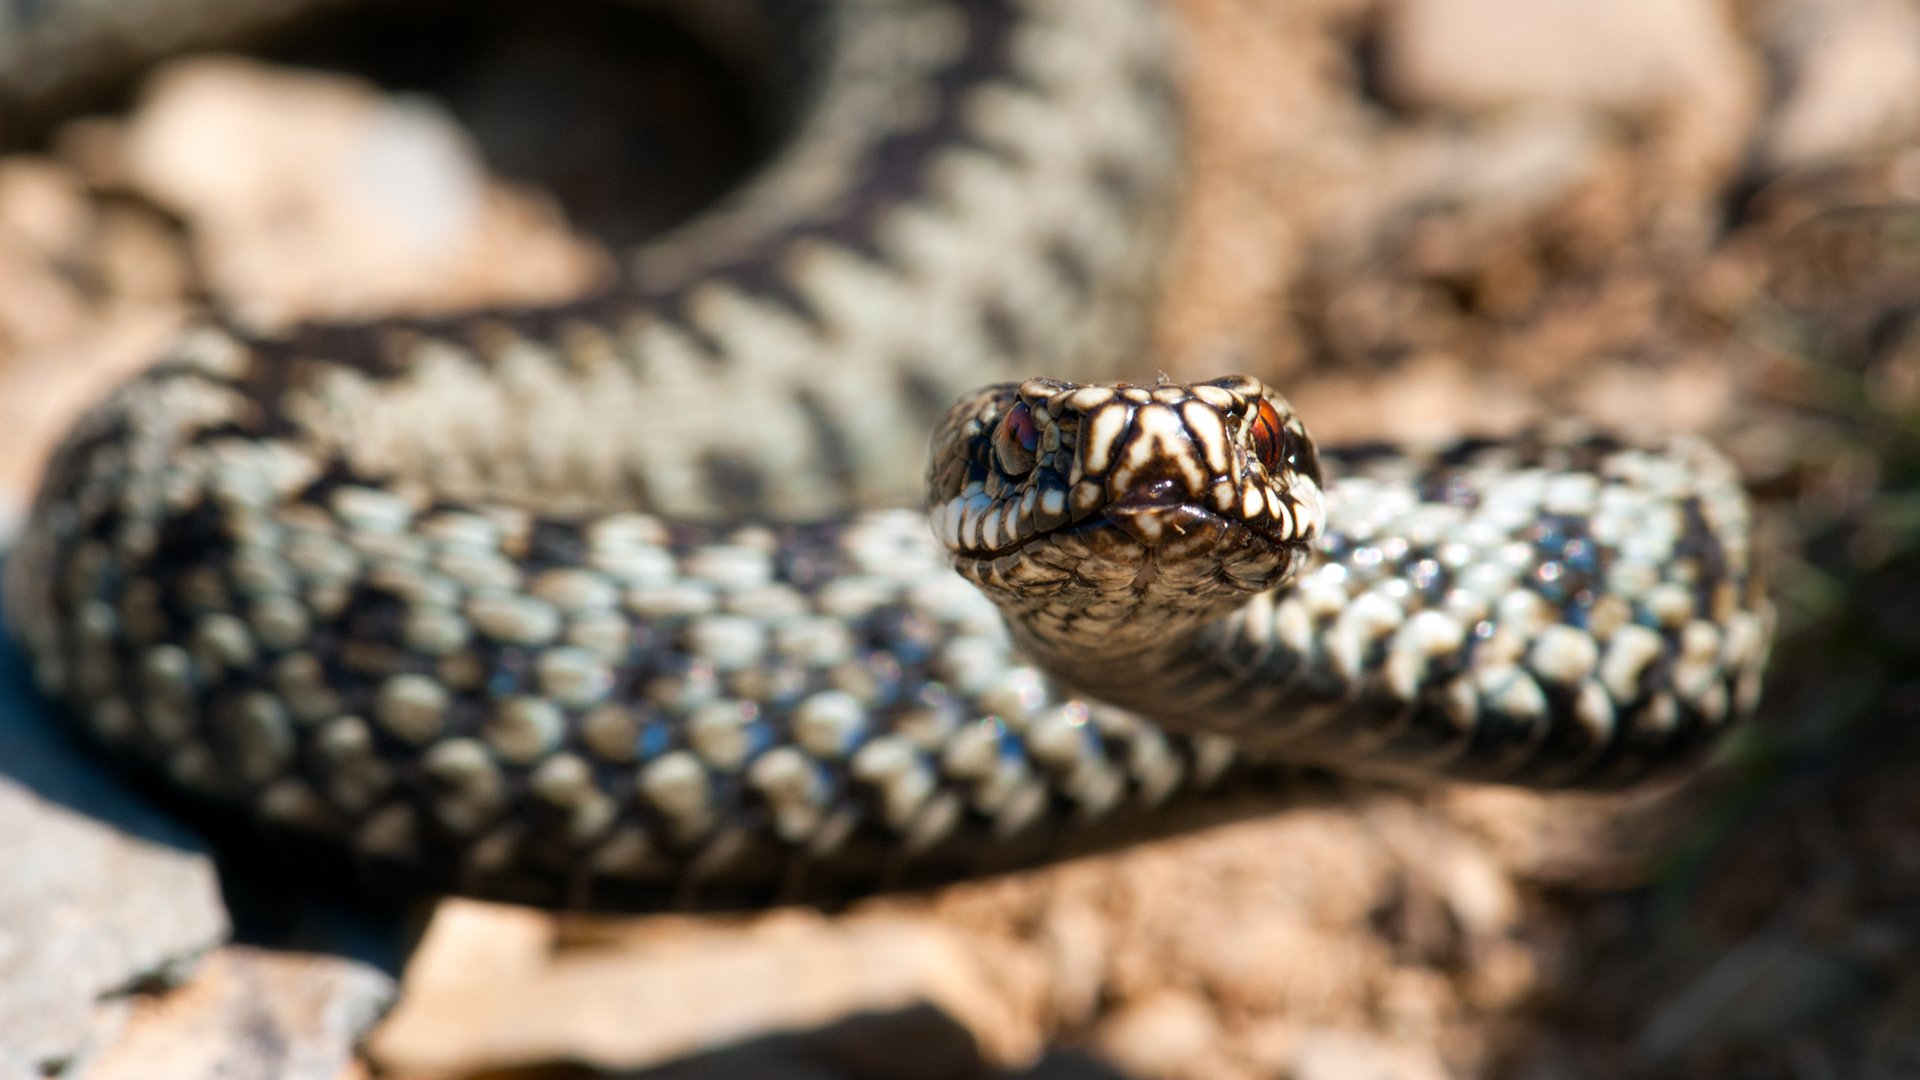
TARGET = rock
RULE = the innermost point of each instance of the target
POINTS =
(1344, 1055)
(250, 1013)
(42, 206)
(1265, 127)
(1432, 400)
(1510, 167)
(62, 345)
(111, 922)
(1852, 70)
(100, 894)
(1075, 938)
(1172, 1035)
(311, 196)
(1474, 55)
(42, 217)
(1376, 915)
(494, 987)
(1674, 65)
(43, 392)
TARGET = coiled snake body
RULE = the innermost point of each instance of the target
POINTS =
(618, 604)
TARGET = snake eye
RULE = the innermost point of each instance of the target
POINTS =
(1269, 438)
(1281, 447)
(1015, 440)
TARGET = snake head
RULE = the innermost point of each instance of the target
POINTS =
(1135, 475)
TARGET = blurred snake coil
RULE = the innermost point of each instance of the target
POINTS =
(632, 602)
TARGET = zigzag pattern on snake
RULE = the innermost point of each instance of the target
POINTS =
(624, 604)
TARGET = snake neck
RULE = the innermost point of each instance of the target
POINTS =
(1110, 618)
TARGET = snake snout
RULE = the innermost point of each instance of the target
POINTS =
(1157, 513)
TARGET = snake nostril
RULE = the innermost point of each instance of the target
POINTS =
(1015, 441)
(1164, 492)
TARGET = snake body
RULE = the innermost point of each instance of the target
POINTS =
(620, 603)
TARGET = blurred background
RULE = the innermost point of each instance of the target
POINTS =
(1422, 219)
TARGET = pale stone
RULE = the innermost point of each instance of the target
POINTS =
(488, 989)
(312, 196)
(86, 911)
(250, 1012)
(1344, 1055)
(1479, 54)
(1172, 1035)
(1853, 72)
(1677, 66)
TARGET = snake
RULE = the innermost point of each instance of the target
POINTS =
(826, 551)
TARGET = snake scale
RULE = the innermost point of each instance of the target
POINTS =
(629, 602)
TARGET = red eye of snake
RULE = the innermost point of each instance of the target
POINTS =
(1015, 440)
(1020, 426)
(1269, 437)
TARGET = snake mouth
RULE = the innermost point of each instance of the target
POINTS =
(1156, 523)
(1161, 514)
